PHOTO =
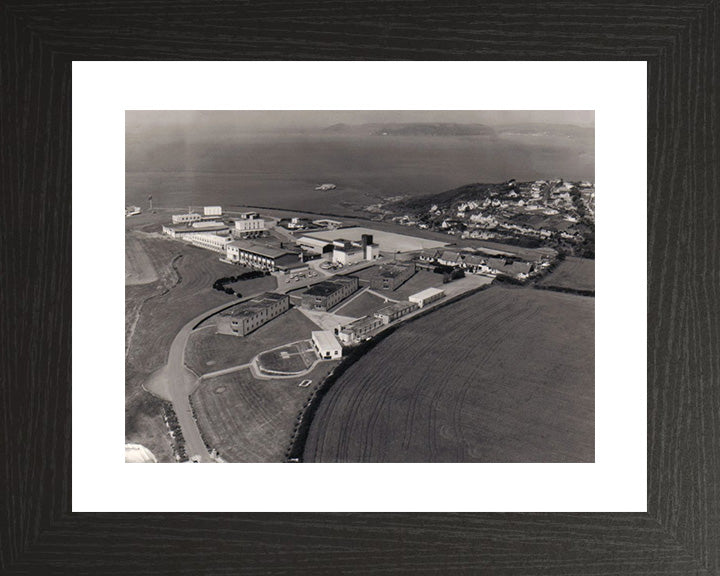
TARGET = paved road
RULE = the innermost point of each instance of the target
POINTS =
(175, 383)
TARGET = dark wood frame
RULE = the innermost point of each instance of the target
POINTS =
(680, 533)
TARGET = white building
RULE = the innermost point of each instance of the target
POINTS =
(314, 245)
(326, 345)
(209, 241)
(259, 256)
(426, 296)
(212, 210)
(182, 230)
(185, 218)
(249, 224)
(347, 254)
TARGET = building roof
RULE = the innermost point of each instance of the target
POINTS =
(260, 249)
(288, 263)
(512, 268)
(394, 307)
(450, 256)
(360, 323)
(474, 259)
(430, 253)
(329, 286)
(255, 305)
(205, 224)
(427, 293)
(308, 241)
(326, 339)
(185, 229)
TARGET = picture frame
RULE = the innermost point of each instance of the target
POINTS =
(680, 532)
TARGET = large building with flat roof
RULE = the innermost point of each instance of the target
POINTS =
(249, 225)
(250, 315)
(208, 241)
(426, 296)
(178, 230)
(326, 294)
(260, 256)
(185, 218)
(326, 345)
(391, 275)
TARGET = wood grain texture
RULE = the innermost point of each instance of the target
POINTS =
(681, 532)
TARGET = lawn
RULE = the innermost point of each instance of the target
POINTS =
(419, 281)
(364, 305)
(573, 273)
(504, 375)
(296, 357)
(253, 286)
(138, 267)
(207, 351)
(249, 420)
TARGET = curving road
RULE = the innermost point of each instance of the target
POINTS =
(174, 382)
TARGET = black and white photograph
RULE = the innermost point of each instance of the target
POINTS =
(368, 286)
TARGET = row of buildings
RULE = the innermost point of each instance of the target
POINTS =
(208, 231)
(362, 328)
(501, 263)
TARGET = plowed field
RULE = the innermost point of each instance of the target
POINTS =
(505, 375)
(572, 273)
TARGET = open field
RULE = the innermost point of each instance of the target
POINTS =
(249, 420)
(295, 357)
(389, 241)
(363, 305)
(138, 267)
(574, 273)
(511, 380)
(209, 352)
(419, 281)
(183, 291)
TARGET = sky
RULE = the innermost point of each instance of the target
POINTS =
(286, 120)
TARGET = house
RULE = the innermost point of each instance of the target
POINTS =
(450, 258)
